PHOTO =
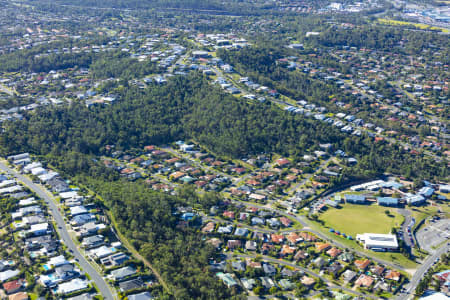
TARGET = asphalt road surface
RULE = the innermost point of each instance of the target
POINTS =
(421, 270)
(306, 271)
(407, 236)
(64, 235)
(301, 220)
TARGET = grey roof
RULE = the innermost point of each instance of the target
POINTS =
(123, 272)
(82, 297)
(140, 296)
(131, 284)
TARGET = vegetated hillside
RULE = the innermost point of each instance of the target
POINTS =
(229, 6)
(146, 218)
(189, 108)
(184, 108)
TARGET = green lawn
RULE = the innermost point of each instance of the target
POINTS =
(352, 219)
(394, 257)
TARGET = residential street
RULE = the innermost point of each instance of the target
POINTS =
(306, 227)
(423, 268)
(62, 231)
(306, 271)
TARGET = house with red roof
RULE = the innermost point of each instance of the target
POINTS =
(294, 238)
(285, 221)
(14, 286)
(362, 264)
(228, 214)
(334, 252)
(277, 238)
(282, 162)
(320, 247)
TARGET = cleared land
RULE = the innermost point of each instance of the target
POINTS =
(416, 25)
(352, 219)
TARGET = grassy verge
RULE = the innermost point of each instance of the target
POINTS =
(393, 257)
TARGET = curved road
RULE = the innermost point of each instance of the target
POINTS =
(64, 235)
(306, 227)
(420, 272)
(306, 271)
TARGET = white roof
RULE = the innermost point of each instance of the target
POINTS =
(78, 210)
(38, 227)
(57, 261)
(140, 296)
(8, 274)
(68, 195)
(11, 189)
(38, 171)
(46, 177)
(32, 166)
(7, 182)
(25, 202)
(378, 240)
(435, 296)
(102, 251)
(72, 286)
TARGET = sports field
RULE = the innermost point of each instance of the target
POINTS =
(352, 219)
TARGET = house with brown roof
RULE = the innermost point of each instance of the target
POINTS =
(393, 275)
(18, 296)
(215, 242)
(300, 255)
(320, 247)
(233, 244)
(217, 163)
(266, 248)
(252, 209)
(377, 270)
(294, 238)
(177, 175)
(253, 264)
(209, 227)
(200, 183)
(285, 221)
(287, 250)
(308, 281)
(277, 238)
(308, 237)
(334, 252)
(172, 160)
(362, 264)
(228, 214)
(282, 162)
(364, 280)
(253, 182)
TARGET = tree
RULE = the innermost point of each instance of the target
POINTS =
(273, 290)
(258, 290)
